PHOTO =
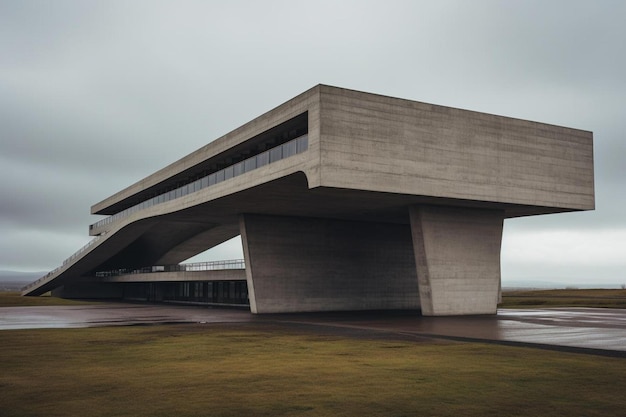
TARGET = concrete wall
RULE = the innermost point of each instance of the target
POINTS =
(457, 254)
(305, 264)
(86, 290)
(378, 143)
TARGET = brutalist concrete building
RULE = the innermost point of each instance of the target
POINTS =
(344, 200)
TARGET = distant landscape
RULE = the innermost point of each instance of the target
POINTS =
(555, 285)
(14, 280)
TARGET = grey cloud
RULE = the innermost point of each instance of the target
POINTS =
(96, 95)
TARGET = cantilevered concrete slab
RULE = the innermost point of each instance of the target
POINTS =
(347, 200)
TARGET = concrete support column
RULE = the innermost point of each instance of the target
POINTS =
(457, 254)
(305, 264)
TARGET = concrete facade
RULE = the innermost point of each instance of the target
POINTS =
(303, 264)
(347, 201)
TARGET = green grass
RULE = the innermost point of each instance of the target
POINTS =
(14, 299)
(270, 370)
(564, 298)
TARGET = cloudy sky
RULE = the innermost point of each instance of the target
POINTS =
(95, 95)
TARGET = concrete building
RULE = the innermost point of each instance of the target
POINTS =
(344, 200)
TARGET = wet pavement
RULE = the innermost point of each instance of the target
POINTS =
(113, 314)
(566, 328)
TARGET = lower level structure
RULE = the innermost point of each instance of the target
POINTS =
(218, 293)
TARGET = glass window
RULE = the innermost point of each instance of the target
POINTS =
(263, 159)
(228, 172)
(238, 169)
(276, 154)
(249, 164)
(219, 176)
(303, 143)
(289, 149)
(204, 182)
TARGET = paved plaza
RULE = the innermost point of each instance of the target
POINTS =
(601, 330)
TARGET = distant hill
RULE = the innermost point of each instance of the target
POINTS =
(547, 285)
(17, 276)
(15, 280)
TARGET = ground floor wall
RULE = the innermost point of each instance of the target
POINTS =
(307, 264)
(90, 290)
(199, 292)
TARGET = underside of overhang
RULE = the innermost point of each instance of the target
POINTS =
(171, 238)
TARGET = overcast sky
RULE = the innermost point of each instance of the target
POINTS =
(95, 95)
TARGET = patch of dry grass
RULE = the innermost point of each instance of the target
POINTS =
(606, 298)
(265, 370)
(14, 299)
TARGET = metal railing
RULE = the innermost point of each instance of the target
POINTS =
(191, 267)
(293, 147)
(75, 255)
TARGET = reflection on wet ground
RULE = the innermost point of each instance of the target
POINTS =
(578, 328)
(112, 314)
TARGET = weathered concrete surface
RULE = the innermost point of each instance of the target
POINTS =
(378, 143)
(370, 158)
(302, 264)
(457, 253)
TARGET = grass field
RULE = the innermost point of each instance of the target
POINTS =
(271, 370)
(266, 370)
(14, 299)
(564, 298)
